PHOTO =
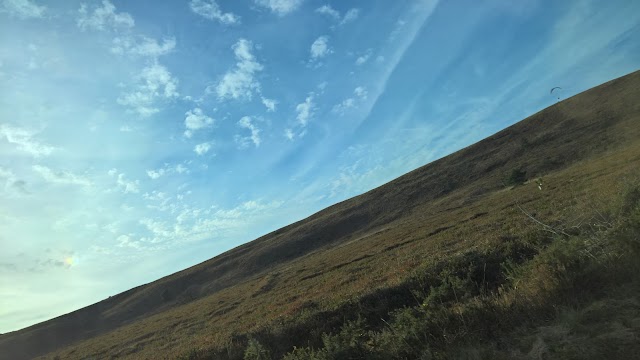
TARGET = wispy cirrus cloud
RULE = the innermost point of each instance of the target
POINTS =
(24, 140)
(103, 18)
(350, 16)
(23, 9)
(328, 11)
(155, 174)
(61, 177)
(142, 46)
(240, 82)
(11, 184)
(280, 7)
(209, 9)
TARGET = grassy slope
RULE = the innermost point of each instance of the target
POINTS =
(367, 243)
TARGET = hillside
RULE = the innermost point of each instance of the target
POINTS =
(365, 248)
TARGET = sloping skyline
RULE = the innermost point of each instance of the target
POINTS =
(138, 139)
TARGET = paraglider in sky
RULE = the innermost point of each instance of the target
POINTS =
(556, 89)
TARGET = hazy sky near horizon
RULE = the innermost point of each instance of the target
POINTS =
(140, 138)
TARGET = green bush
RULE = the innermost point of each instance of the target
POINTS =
(255, 351)
(517, 177)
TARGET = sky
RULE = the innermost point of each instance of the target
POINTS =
(140, 138)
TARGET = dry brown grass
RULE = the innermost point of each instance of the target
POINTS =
(584, 148)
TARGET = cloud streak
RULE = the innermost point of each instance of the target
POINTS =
(209, 9)
(104, 18)
(23, 139)
(23, 9)
(280, 7)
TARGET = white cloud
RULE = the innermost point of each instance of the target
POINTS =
(23, 139)
(361, 60)
(202, 149)
(142, 46)
(61, 177)
(127, 241)
(155, 82)
(320, 47)
(270, 104)
(288, 133)
(305, 110)
(329, 11)
(126, 128)
(344, 106)
(196, 120)
(104, 17)
(334, 14)
(167, 170)
(240, 83)
(128, 186)
(279, 7)
(360, 92)
(23, 9)
(180, 169)
(155, 174)
(246, 123)
(209, 9)
(350, 16)
(12, 185)
(360, 95)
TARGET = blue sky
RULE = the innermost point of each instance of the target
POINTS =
(140, 138)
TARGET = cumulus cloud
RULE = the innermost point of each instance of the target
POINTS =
(288, 133)
(166, 170)
(155, 83)
(209, 9)
(240, 83)
(320, 48)
(196, 120)
(23, 9)
(362, 59)
(155, 174)
(270, 104)
(103, 18)
(23, 139)
(127, 186)
(61, 177)
(305, 110)
(360, 94)
(142, 46)
(126, 240)
(202, 149)
(244, 141)
(279, 7)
